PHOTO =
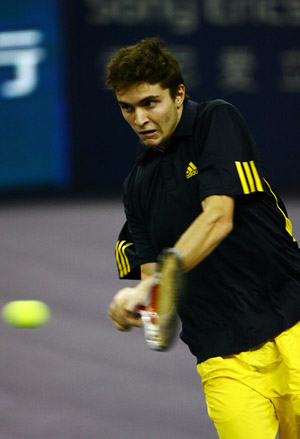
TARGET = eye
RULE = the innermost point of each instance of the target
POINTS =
(150, 104)
(126, 108)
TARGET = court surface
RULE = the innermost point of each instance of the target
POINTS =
(78, 377)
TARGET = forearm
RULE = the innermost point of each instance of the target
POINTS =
(207, 231)
(148, 270)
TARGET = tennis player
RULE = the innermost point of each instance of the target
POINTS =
(199, 185)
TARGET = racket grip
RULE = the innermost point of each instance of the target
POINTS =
(137, 312)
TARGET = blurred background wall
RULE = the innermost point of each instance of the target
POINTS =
(61, 132)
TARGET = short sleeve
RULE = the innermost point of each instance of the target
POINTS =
(133, 247)
(229, 163)
(128, 265)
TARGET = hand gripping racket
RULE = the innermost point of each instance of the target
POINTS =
(159, 314)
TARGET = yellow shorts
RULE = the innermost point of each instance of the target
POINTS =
(252, 394)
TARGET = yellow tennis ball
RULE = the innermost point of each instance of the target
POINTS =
(26, 313)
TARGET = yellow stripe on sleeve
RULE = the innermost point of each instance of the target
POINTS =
(121, 258)
(120, 268)
(242, 177)
(256, 177)
(126, 260)
(249, 176)
(288, 223)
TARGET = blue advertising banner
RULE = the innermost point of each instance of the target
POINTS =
(34, 145)
(244, 51)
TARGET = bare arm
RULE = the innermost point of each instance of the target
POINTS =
(207, 231)
(148, 270)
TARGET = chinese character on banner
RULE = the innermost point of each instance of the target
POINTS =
(237, 66)
(19, 50)
(290, 67)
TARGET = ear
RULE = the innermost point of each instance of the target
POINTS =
(180, 95)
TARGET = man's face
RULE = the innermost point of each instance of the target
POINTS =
(151, 112)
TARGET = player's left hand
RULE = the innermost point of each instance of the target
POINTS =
(122, 310)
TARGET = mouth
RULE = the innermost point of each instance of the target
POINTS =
(147, 133)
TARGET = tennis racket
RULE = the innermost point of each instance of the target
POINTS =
(159, 313)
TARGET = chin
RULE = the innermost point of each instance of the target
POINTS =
(152, 142)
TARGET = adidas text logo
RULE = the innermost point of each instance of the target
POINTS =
(191, 170)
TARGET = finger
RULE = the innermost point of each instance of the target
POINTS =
(121, 327)
(123, 321)
(117, 318)
(117, 315)
(134, 320)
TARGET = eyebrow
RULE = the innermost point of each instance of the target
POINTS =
(142, 101)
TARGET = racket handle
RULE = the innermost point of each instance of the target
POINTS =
(137, 312)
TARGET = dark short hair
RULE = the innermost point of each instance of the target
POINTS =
(147, 61)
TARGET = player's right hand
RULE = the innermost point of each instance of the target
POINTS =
(122, 310)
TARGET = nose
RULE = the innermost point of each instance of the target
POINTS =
(140, 117)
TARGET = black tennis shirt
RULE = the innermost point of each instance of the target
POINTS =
(248, 289)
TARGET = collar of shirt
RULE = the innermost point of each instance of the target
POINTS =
(184, 128)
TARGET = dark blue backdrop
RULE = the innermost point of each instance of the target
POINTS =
(246, 52)
(60, 128)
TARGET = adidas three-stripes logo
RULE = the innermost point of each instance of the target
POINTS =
(191, 170)
(121, 257)
(249, 177)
